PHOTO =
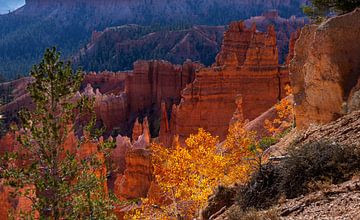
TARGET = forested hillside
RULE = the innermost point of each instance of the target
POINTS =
(26, 32)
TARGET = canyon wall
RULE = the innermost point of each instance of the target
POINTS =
(326, 69)
(152, 82)
(107, 82)
(247, 65)
(122, 97)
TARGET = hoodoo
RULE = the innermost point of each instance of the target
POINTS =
(247, 65)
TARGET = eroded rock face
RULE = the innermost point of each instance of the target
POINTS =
(134, 170)
(5, 202)
(135, 182)
(293, 38)
(326, 69)
(248, 66)
(122, 97)
(151, 82)
(137, 130)
(8, 143)
(107, 82)
(111, 109)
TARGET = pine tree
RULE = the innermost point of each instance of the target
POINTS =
(59, 183)
(320, 8)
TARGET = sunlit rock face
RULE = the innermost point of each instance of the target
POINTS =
(133, 174)
(326, 69)
(247, 65)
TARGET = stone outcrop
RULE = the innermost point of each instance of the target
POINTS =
(8, 143)
(326, 69)
(19, 205)
(199, 42)
(107, 82)
(247, 65)
(135, 182)
(5, 202)
(123, 145)
(131, 165)
(344, 200)
(286, 29)
(11, 207)
(344, 131)
(134, 179)
(121, 97)
(137, 130)
(111, 109)
(293, 38)
(152, 82)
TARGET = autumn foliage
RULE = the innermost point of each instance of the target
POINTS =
(188, 174)
(285, 115)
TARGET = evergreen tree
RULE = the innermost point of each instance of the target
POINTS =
(321, 8)
(46, 170)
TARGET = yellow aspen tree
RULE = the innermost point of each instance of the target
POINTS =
(188, 174)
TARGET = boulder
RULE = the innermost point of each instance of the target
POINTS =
(325, 70)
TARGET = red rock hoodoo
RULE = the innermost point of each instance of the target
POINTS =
(151, 82)
(123, 96)
(247, 65)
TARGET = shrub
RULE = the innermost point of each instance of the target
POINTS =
(299, 173)
(318, 161)
(224, 196)
(267, 142)
(262, 190)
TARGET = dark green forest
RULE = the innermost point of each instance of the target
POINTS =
(25, 34)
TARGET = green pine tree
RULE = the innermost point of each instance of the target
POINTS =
(319, 9)
(59, 184)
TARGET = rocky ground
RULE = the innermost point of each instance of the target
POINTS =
(332, 202)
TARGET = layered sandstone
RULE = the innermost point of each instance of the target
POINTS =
(326, 69)
(135, 178)
(247, 65)
(152, 82)
(135, 182)
(285, 29)
(111, 109)
(107, 82)
(121, 97)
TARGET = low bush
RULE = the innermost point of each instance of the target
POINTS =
(224, 196)
(297, 174)
(315, 162)
(262, 191)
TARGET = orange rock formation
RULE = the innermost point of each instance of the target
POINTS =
(247, 65)
(326, 69)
